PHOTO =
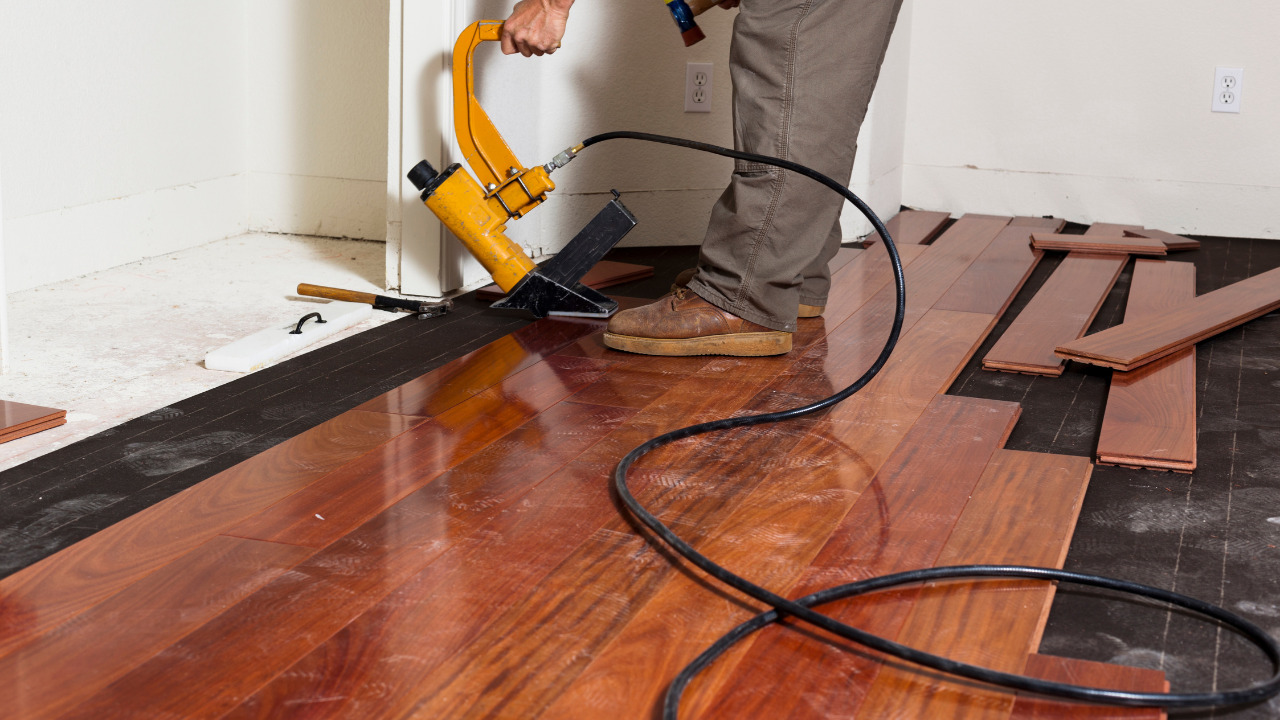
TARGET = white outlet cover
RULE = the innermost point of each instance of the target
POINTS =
(1228, 84)
(697, 87)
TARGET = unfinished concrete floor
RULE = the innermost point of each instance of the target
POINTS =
(129, 341)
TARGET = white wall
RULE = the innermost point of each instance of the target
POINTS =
(122, 131)
(1096, 110)
(316, 107)
(138, 127)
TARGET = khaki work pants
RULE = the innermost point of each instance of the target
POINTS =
(803, 72)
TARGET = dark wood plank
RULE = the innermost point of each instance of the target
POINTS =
(125, 630)
(1171, 241)
(603, 274)
(1105, 244)
(1132, 345)
(433, 393)
(60, 587)
(992, 624)
(1063, 308)
(914, 227)
(326, 510)
(1092, 674)
(991, 283)
(1150, 415)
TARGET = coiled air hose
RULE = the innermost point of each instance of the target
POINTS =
(802, 608)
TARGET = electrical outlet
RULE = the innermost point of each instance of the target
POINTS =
(1228, 83)
(697, 87)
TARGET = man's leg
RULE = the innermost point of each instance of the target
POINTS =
(803, 72)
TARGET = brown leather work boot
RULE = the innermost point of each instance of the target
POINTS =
(684, 324)
(803, 311)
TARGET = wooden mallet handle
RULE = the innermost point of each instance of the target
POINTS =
(321, 291)
(700, 6)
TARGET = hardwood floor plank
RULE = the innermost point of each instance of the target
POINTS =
(996, 276)
(1098, 244)
(15, 416)
(1063, 308)
(32, 429)
(1132, 345)
(895, 525)
(914, 227)
(431, 394)
(1150, 415)
(274, 628)
(327, 509)
(1171, 241)
(1093, 674)
(60, 587)
(992, 624)
(771, 538)
(133, 625)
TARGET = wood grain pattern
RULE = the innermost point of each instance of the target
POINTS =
(1132, 345)
(326, 510)
(446, 386)
(481, 594)
(1150, 415)
(1093, 674)
(474, 563)
(55, 590)
(1171, 241)
(16, 416)
(914, 227)
(993, 624)
(107, 641)
(996, 276)
(1062, 310)
(1099, 244)
(794, 509)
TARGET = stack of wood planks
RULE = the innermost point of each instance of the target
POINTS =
(450, 549)
(20, 420)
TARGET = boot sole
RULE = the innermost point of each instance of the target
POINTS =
(758, 344)
(810, 311)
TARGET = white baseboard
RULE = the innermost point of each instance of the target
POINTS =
(1174, 206)
(307, 205)
(63, 244)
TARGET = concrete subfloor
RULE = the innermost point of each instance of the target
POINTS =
(125, 342)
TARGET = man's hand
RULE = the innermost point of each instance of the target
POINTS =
(535, 27)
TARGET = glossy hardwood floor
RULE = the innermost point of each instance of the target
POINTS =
(452, 548)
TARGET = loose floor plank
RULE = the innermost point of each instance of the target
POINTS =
(994, 624)
(1150, 415)
(1171, 241)
(603, 274)
(1105, 244)
(914, 227)
(1061, 310)
(1091, 674)
(20, 419)
(1132, 345)
(998, 274)
(60, 587)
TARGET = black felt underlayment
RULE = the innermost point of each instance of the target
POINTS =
(1213, 534)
